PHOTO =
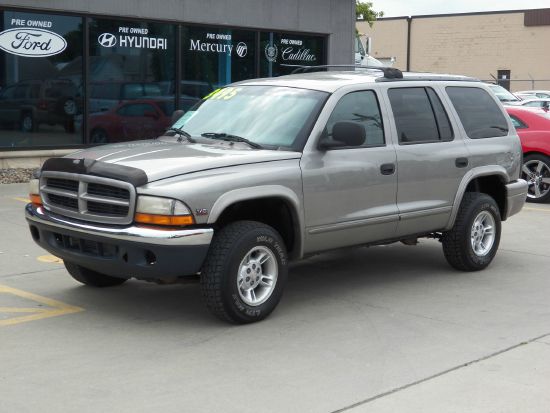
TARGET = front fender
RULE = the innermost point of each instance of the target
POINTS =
(265, 191)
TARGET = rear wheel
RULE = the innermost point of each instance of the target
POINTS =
(245, 272)
(473, 241)
(27, 123)
(90, 277)
(536, 171)
(98, 136)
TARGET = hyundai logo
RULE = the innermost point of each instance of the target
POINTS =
(242, 49)
(107, 40)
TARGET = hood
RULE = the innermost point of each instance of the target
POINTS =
(162, 159)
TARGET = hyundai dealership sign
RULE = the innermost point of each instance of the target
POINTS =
(30, 42)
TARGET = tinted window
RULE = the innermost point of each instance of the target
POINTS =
(130, 60)
(361, 107)
(419, 115)
(41, 106)
(478, 112)
(278, 49)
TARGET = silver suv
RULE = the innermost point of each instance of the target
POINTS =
(267, 171)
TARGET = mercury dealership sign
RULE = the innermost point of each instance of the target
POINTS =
(218, 43)
(32, 42)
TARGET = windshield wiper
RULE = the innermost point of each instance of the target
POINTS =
(181, 132)
(231, 138)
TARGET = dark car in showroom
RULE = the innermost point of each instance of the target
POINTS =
(533, 127)
(131, 120)
(29, 103)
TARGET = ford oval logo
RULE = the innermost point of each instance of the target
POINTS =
(31, 42)
(107, 40)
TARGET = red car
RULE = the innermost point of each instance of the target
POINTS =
(533, 127)
(131, 120)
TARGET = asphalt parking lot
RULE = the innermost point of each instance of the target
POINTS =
(383, 329)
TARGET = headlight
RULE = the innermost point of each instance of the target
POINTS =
(162, 211)
(34, 192)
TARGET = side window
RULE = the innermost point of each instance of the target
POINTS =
(518, 124)
(535, 104)
(478, 112)
(419, 115)
(361, 107)
(136, 110)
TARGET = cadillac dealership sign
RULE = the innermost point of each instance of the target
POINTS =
(31, 42)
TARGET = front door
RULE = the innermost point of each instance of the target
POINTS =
(350, 193)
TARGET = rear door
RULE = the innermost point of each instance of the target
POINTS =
(431, 156)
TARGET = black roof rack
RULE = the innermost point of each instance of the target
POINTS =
(389, 72)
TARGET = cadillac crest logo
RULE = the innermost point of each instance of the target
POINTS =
(271, 52)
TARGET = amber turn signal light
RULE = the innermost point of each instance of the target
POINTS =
(35, 199)
(168, 220)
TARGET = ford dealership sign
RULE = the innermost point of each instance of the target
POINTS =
(31, 42)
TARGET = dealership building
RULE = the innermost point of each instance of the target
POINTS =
(75, 73)
(511, 46)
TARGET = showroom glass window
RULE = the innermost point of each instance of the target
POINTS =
(212, 58)
(41, 88)
(131, 72)
(278, 49)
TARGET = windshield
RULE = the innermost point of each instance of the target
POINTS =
(267, 115)
(502, 94)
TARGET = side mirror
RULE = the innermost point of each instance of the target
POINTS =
(344, 134)
(546, 106)
(177, 115)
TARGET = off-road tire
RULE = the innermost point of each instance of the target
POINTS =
(219, 273)
(457, 244)
(90, 277)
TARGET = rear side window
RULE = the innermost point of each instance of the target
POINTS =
(419, 115)
(478, 112)
(518, 124)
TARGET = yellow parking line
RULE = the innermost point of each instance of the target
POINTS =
(25, 200)
(22, 310)
(57, 307)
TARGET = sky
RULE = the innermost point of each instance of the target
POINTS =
(394, 8)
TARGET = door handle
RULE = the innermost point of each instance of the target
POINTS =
(461, 162)
(387, 169)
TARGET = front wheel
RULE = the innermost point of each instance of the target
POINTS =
(90, 277)
(245, 271)
(473, 241)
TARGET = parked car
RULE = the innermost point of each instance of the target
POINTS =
(266, 171)
(132, 120)
(504, 95)
(534, 132)
(528, 94)
(536, 103)
(29, 103)
(105, 95)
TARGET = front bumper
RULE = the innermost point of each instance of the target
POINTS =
(125, 252)
(516, 195)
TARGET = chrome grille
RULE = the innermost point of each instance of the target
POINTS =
(88, 197)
